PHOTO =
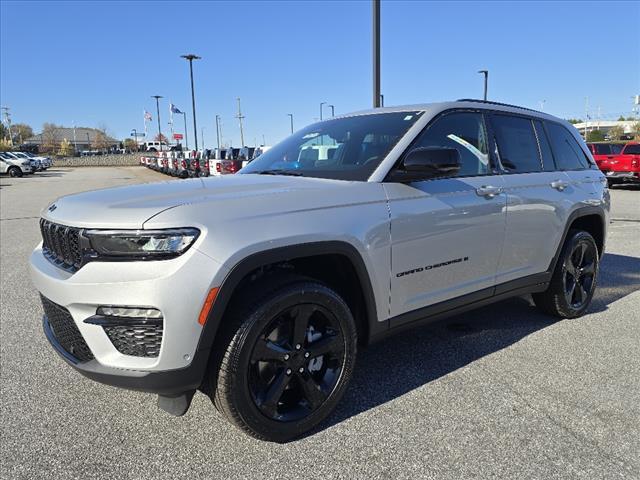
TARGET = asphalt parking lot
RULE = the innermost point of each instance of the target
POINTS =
(501, 392)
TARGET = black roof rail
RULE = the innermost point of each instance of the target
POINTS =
(497, 103)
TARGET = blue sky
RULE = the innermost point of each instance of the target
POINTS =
(97, 63)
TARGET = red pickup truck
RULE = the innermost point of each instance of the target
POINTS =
(619, 162)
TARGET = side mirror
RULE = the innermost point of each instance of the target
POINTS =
(432, 161)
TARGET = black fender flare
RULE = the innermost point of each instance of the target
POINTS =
(283, 254)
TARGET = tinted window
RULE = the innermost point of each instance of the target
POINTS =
(517, 144)
(545, 149)
(616, 148)
(464, 131)
(632, 150)
(348, 148)
(566, 150)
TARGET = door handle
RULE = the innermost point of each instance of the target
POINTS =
(559, 185)
(488, 191)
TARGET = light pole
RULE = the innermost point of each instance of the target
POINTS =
(486, 81)
(332, 107)
(291, 118)
(321, 104)
(158, 97)
(186, 135)
(218, 130)
(375, 8)
(240, 117)
(133, 131)
(191, 57)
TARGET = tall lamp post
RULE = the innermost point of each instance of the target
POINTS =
(186, 136)
(375, 9)
(333, 112)
(190, 58)
(218, 130)
(158, 97)
(486, 82)
(291, 118)
(321, 104)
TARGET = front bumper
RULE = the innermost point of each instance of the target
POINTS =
(177, 287)
(168, 382)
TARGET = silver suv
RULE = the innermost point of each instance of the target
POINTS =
(347, 231)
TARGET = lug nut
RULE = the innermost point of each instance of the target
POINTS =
(298, 347)
(301, 369)
(306, 354)
(288, 371)
(286, 356)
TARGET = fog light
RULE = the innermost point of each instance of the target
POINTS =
(129, 312)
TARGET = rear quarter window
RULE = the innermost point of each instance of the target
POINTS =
(632, 150)
(566, 150)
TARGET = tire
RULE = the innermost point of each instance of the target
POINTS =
(271, 382)
(15, 172)
(568, 295)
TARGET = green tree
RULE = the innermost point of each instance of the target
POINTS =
(161, 138)
(595, 136)
(574, 120)
(5, 145)
(621, 118)
(66, 149)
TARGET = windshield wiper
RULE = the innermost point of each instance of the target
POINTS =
(279, 171)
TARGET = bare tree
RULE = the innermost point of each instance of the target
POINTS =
(616, 132)
(100, 141)
(49, 143)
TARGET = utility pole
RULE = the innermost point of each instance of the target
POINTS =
(158, 97)
(75, 144)
(218, 130)
(486, 82)
(586, 117)
(291, 118)
(202, 136)
(240, 117)
(542, 102)
(190, 58)
(264, 142)
(375, 7)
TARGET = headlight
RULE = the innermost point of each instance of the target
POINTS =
(141, 243)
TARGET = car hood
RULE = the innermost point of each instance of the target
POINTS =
(131, 206)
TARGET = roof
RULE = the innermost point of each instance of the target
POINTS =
(463, 103)
(68, 133)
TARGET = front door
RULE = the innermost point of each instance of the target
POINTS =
(447, 233)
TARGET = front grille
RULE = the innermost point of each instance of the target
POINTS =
(136, 340)
(66, 331)
(61, 244)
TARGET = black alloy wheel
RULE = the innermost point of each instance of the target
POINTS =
(579, 273)
(296, 362)
(574, 279)
(284, 358)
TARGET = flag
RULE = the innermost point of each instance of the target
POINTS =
(174, 109)
(147, 116)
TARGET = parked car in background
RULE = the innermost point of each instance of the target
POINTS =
(156, 146)
(14, 166)
(46, 161)
(602, 151)
(623, 167)
(36, 165)
(245, 155)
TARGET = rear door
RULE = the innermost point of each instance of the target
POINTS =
(537, 197)
(447, 233)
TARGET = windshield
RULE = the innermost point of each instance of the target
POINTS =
(342, 149)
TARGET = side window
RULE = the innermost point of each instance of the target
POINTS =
(517, 144)
(566, 151)
(548, 164)
(464, 131)
(632, 149)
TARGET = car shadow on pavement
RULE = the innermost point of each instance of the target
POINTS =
(409, 360)
(49, 174)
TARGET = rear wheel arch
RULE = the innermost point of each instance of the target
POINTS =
(588, 219)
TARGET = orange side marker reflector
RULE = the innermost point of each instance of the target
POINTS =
(206, 308)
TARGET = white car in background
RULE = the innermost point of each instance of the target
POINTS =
(14, 166)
